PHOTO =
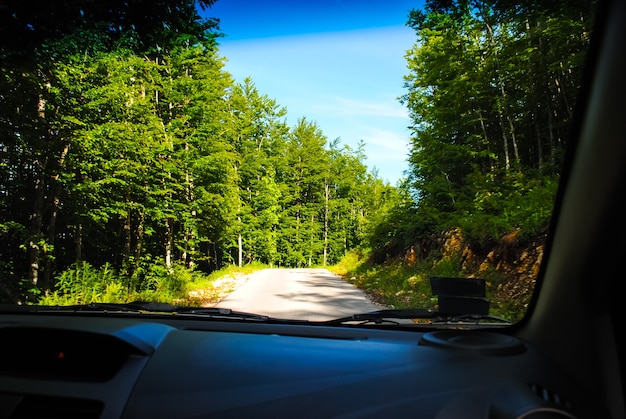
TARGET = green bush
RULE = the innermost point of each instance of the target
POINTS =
(84, 284)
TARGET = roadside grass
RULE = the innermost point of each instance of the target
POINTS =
(85, 284)
(393, 285)
(396, 284)
(399, 285)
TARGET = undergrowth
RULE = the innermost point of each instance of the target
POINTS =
(85, 284)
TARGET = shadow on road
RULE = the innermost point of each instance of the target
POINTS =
(302, 294)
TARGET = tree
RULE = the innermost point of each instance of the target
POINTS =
(256, 131)
(39, 39)
(303, 202)
(484, 115)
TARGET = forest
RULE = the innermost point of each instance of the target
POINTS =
(126, 149)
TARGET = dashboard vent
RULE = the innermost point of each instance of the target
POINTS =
(549, 396)
(59, 354)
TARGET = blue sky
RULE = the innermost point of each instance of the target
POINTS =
(338, 63)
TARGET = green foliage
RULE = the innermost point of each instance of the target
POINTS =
(510, 202)
(84, 284)
(447, 265)
(490, 92)
(351, 262)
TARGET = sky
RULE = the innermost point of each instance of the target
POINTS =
(337, 63)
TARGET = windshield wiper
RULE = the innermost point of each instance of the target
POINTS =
(156, 308)
(419, 316)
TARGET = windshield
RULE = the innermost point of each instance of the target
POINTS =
(303, 161)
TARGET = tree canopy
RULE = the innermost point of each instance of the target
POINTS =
(491, 91)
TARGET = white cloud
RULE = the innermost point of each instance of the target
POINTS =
(388, 140)
(356, 107)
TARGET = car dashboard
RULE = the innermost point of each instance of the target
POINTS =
(61, 366)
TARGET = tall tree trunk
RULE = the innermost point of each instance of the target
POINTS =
(78, 242)
(549, 114)
(139, 238)
(483, 129)
(561, 90)
(512, 133)
(311, 239)
(239, 225)
(505, 142)
(36, 217)
(189, 230)
(502, 107)
(56, 199)
(46, 280)
(34, 237)
(240, 248)
(533, 82)
(326, 203)
(168, 243)
(126, 240)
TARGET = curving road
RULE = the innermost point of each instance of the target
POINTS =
(302, 294)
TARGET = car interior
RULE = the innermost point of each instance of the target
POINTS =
(564, 359)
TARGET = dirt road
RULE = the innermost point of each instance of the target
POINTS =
(303, 294)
